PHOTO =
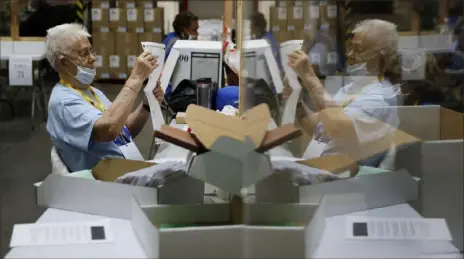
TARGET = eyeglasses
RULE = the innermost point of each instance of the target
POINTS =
(86, 53)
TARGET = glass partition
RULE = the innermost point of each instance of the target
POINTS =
(371, 86)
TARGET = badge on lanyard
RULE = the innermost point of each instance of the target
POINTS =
(127, 146)
(318, 143)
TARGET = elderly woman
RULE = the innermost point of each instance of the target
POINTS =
(357, 120)
(83, 124)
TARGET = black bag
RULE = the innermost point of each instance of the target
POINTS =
(184, 95)
(258, 92)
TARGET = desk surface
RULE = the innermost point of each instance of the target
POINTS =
(126, 244)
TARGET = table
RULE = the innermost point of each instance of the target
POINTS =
(35, 50)
(126, 244)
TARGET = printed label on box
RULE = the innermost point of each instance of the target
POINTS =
(131, 15)
(96, 14)
(114, 61)
(314, 12)
(332, 11)
(298, 3)
(114, 14)
(139, 30)
(98, 61)
(148, 5)
(149, 15)
(123, 76)
(307, 27)
(157, 30)
(332, 58)
(282, 13)
(122, 29)
(275, 28)
(105, 75)
(291, 28)
(105, 5)
(323, 2)
(130, 5)
(104, 29)
(131, 60)
(297, 12)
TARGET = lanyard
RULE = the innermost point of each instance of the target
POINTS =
(97, 104)
(350, 100)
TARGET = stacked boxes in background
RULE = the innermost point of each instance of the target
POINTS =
(117, 33)
(291, 20)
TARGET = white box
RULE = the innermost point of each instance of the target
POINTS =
(112, 199)
(192, 60)
(378, 189)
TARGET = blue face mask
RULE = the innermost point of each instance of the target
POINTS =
(84, 75)
(357, 70)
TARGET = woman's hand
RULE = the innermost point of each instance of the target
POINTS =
(144, 66)
(158, 92)
(287, 89)
(300, 63)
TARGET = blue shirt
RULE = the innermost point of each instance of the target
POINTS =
(169, 41)
(70, 123)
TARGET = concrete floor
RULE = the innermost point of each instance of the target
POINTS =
(25, 159)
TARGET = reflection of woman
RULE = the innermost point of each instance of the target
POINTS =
(357, 121)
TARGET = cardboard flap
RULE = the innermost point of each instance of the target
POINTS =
(180, 138)
(451, 124)
(208, 125)
(109, 169)
(279, 136)
(257, 120)
(332, 163)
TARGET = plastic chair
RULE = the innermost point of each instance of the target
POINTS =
(58, 166)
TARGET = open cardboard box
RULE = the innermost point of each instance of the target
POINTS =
(230, 151)
(106, 198)
(266, 232)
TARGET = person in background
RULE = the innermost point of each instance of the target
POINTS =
(185, 28)
(83, 124)
(358, 117)
(258, 31)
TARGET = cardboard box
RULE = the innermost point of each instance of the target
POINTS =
(284, 3)
(118, 67)
(106, 198)
(135, 18)
(295, 16)
(311, 12)
(102, 65)
(103, 45)
(154, 21)
(227, 140)
(100, 17)
(278, 17)
(101, 4)
(328, 12)
(125, 43)
(117, 18)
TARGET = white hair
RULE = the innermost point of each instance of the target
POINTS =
(381, 35)
(61, 39)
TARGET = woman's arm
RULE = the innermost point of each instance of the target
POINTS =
(110, 124)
